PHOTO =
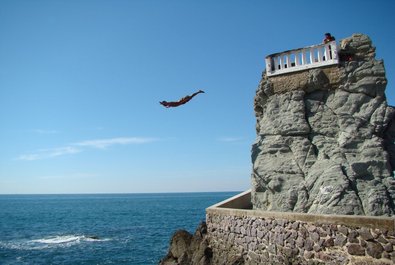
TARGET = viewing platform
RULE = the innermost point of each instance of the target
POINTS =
(301, 59)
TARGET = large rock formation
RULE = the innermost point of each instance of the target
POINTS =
(325, 138)
(187, 249)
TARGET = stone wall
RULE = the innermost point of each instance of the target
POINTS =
(257, 237)
(304, 80)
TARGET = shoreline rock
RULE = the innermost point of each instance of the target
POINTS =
(186, 249)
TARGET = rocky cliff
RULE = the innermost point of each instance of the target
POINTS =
(325, 138)
(325, 145)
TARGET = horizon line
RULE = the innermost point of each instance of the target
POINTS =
(118, 193)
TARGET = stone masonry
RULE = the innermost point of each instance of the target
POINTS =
(247, 239)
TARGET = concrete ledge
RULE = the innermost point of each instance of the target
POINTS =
(240, 206)
(239, 201)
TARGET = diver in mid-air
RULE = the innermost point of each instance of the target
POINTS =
(181, 101)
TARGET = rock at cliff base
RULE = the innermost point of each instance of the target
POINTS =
(187, 249)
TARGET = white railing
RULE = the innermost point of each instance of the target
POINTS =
(302, 59)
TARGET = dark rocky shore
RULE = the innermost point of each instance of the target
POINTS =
(186, 249)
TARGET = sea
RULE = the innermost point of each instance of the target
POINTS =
(97, 228)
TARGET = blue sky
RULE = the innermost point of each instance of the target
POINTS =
(80, 83)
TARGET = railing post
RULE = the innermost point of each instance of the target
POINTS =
(269, 68)
(281, 61)
(328, 55)
(311, 55)
(319, 55)
(334, 50)
(304, 59)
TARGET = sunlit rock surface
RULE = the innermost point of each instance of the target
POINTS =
(325, 138)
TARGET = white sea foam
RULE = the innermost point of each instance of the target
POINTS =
(59, 240)
(68, 239)
(51, 242)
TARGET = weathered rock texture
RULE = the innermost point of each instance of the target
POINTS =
(187, 249)
(325, 138)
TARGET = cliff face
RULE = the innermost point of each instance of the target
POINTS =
(325, 138)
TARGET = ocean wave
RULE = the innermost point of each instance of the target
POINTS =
(51, 242)
(59, 240)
